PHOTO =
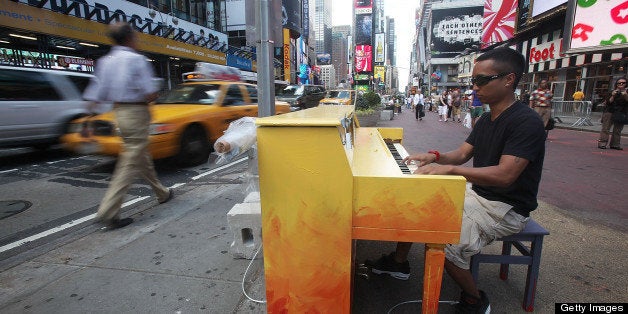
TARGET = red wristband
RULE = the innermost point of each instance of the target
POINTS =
(435, 152)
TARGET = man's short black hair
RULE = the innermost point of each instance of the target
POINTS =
(120, 33)
(506, 60)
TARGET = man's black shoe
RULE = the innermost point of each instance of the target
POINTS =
(170, 195)
(119, 223)
(480, 306)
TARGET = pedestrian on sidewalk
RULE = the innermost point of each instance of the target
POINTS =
(456, 104)
(615, 113)
(419, 102)
(508, 147)
(477, 108)
(578, 97)
(443, 106)
(541, 99)
(126, 78)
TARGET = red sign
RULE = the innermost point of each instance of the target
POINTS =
(363, 58)
(546, 52)
(499, 21)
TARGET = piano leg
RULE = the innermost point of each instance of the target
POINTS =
(433, 276)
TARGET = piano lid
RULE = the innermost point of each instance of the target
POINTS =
(316, 116)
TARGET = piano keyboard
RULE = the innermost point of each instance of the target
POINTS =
(399, 153)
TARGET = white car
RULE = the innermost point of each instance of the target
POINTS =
(37, 105)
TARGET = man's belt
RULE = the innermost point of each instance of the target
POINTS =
(143, 103)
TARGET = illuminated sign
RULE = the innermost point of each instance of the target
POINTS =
(363, 58)
(363, 29)
(286, 54)
(379, 72)
(106, 11)
(379, 48)
(455, 29)
(601, 25)
(30, 18)
(499, 21)
(546, 52)
(540, 7)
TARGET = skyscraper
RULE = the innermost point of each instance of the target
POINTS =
(339, 51)
(322, 26)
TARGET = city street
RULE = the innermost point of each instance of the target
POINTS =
(175, 257)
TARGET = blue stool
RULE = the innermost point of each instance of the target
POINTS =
(533, 233)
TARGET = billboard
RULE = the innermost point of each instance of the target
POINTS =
(235, 19)
(291, 15)
(363, 58)
(524, 14)
(379, 48)
(363, 6)
(499, 21)
(306, 19)
(540, 7)
(595, 26)
(323, 59)
(455, 29)
(379, 72)
(363, 29)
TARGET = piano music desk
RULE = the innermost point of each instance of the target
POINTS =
(318, 194)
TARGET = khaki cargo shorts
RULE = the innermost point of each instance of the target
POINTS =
(483, 221)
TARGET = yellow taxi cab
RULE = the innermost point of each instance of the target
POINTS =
(186, 121)
(339, 97)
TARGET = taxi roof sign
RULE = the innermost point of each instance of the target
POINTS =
(211, 71)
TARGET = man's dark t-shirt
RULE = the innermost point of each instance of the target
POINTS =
(518, 131)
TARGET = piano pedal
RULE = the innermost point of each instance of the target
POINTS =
(363, 271)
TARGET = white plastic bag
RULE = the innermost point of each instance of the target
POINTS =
(467, 120)
(239, 137)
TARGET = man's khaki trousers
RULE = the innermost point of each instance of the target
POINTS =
(133, 121)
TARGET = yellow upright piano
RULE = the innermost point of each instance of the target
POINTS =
(325, 181)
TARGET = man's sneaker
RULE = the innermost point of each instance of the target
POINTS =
(387, 265)
(480, 306)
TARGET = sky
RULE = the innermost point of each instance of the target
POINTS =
(403, 13)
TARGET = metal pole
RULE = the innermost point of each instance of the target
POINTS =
(265, 75)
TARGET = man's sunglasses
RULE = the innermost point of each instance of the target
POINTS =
(620, 83)
(481, 80)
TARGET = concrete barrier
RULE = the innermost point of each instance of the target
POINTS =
(245, 222)
(386, 115)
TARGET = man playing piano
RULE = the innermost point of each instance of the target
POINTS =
(507, 147)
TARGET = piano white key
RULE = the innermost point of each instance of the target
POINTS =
(403, 153)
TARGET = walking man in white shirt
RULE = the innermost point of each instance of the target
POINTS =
(125, 78)
(418, 105)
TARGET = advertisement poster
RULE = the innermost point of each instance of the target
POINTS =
(499, 21)
(600, 25)
(524, 14)
(291, 15)
(379, 72)
(363, 6)
(540, 7)
(363, 29)
(323, 59)
(363, 58)
(379, 48)
(455, 29)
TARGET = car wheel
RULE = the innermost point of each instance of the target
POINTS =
(194, 147)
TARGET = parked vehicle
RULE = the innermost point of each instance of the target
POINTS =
(300, 96)
(186, 121)
(339, 97)
(37, 105)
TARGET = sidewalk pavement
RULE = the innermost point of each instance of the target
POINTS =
(174, 259)
(589, 124)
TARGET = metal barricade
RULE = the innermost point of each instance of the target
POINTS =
(577, 111)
